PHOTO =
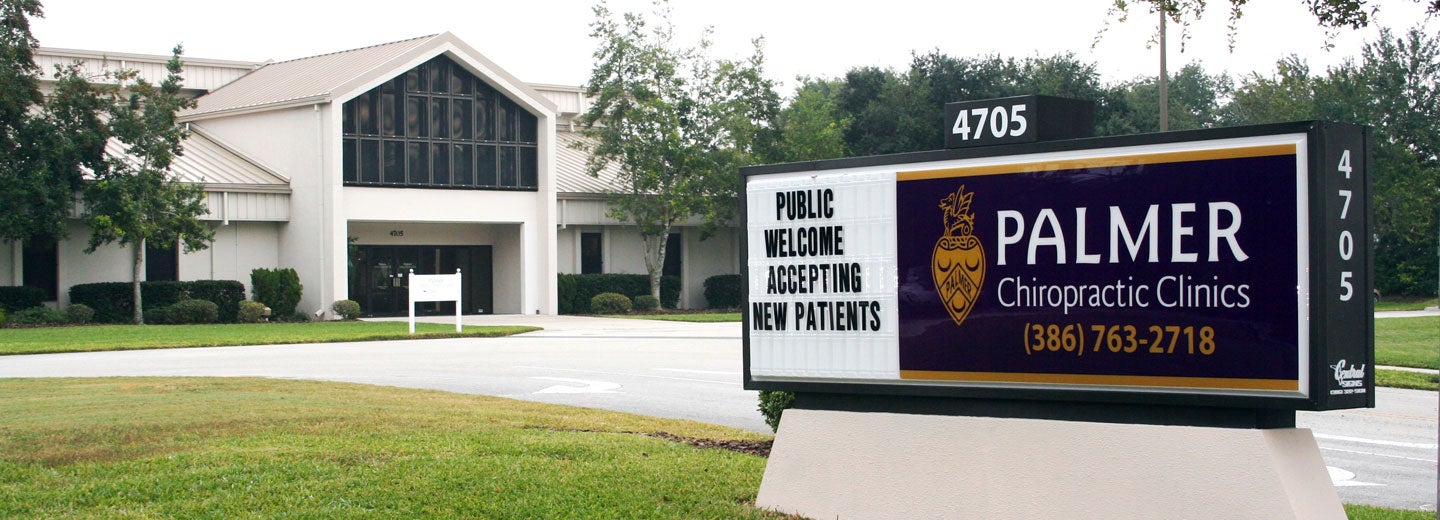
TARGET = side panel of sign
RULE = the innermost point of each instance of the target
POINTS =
(821, 276)
(1343, 290)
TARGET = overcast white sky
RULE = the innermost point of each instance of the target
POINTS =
(547, 41)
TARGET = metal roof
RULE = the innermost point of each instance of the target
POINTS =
(301, 80)
(321, 79)
(209, 162)
(570, 174)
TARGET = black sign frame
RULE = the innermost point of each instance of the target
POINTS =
(1338, 330)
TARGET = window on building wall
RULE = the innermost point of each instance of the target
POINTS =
(438, 126)
(162, 264)
(673, 250)
(590, 254)
(41, 264)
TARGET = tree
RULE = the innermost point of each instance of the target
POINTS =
(1287, 96)
(811, 126)
(893, 113)
(675, 124)
(1331, 14)
(1393, 90)
(134, 199)
(44, 143)
(1194, 97)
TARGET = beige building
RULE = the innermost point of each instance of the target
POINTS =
(355, 167)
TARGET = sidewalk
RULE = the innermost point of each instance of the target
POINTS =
(1429, 311)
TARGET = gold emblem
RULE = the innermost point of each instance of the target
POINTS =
(958, 264)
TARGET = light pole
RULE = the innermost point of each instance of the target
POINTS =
(1164, 76)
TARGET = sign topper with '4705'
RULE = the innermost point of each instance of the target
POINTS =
(1220, 267)
(1020, 119)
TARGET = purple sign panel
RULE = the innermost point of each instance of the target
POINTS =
(1167, 270)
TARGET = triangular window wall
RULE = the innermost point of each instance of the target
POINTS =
(438, 126)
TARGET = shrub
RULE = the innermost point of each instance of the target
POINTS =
(226, 294)
(41, 315)
(346, 309)
(772, 406)
(567, 289)
(723, 291)
(192, 311)
(111, 300)
(610, 303)
(19, 298)
(2, 317)
(278, 289)
(79, 313)
(156, 315)
(575, 290)
(250, 312)
(646, 303)
(163, 293)
(298, 317)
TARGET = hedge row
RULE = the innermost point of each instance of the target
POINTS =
(723, 291)
(113, 301)
(20, 298)
(576, 290)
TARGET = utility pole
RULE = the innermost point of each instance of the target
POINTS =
(1164, 76)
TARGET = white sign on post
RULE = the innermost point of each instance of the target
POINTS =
(434, 288)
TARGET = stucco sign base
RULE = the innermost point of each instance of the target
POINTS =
(848, 465)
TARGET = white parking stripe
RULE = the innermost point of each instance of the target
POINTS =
(1376, 442)
(623, 374)
(1432, 461)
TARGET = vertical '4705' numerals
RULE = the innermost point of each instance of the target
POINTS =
(1346, 245)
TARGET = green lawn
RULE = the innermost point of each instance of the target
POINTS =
(260, 448)
(1406, 379)
(1404, 304)
(700, 317)
(1356, 512)
(255, 448)
(133, 337)
(1408, 342)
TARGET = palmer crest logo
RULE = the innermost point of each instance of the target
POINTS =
(958, 264)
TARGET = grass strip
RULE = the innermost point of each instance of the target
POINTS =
(1406, 379)
(1359, 512)
(1404, 304)
(42, 340)
(1408, 342)
(259, 448)
(702, 317)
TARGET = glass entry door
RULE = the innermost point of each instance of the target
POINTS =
(378, 278)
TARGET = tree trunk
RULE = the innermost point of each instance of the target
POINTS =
(655, 259)
(137, 262)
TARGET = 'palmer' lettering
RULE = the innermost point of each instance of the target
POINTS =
(1046, 235)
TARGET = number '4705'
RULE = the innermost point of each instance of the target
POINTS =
(1346, 245)
(999, 121)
